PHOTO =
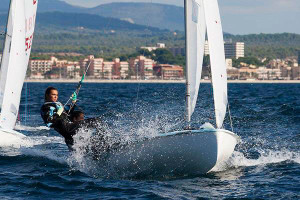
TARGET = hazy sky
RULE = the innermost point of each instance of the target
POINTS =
(240, 16)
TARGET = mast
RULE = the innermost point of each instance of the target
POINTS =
(188, 92)
(5, 34)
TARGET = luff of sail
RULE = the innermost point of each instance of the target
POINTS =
(195, 40)
(20, 28)
(217, 59)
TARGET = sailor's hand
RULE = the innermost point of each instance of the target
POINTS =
(74, 97)
(60, 110)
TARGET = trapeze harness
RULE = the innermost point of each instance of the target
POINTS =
(56, 116)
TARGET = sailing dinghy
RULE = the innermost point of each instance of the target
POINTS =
(16, 53)
(189, 151)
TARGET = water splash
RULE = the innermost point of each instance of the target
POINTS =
(123, 131)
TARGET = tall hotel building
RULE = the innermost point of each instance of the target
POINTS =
(232, 49)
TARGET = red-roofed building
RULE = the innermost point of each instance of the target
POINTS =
(168, 72)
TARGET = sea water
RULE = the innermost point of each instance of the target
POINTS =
(265, 164)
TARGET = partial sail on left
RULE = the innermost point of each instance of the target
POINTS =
(16, 53)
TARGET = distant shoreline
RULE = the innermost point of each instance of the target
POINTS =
(150, 81)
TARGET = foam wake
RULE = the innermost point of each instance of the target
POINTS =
(266, 157)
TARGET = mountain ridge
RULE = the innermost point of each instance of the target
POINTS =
(147, 14)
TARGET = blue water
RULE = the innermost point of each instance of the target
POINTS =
(265, 165)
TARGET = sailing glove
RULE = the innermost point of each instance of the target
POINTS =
(60, 109)
(74, 97)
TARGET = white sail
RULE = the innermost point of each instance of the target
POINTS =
(217, 59)
(20, 28)
(195, 40)
(30, 16)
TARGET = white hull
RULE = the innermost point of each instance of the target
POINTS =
(183, 152)
(10, 138)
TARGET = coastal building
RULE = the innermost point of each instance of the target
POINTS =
(120, 69)
(141, 68)
(168, 72)
(232, 49)
(108, 70)
(247, 73)
(295, 73)
(299, 57)
(228, 63)
(286, 73)
(233, 73)
(158, 46)
(206, 48)
(97, 66)
(276, 63)
(177, 51)
(38, 68)
(264, 73)
(41, 66)
(100, 69)
(73, 71)
(53, 68)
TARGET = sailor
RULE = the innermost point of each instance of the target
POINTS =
(56, 116)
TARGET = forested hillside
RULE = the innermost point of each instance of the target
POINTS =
(279, 45)
(83, 30)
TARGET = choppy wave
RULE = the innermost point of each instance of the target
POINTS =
(264, 165)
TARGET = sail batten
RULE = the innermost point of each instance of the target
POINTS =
(217, 59)
(195, 40)
(20, 29)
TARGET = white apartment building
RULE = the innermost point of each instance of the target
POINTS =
(264, 73)
(73, 71)
(41, 66)
(95, 66)
(158, 46)
(124, 68)
(148, 68)
(98, 67)
(206, 48)
(228, 63)
(107, 70)
(142, 67)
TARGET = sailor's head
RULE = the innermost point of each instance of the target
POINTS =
(51, 94)
(77, 116)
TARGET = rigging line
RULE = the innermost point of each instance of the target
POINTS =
(230, 116)
(212, 89)
(79, 86)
